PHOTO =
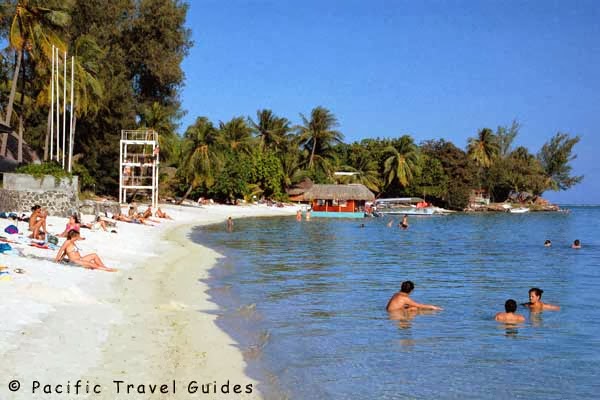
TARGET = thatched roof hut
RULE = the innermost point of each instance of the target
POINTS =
(353, 191)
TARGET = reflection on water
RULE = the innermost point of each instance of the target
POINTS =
(306, 303)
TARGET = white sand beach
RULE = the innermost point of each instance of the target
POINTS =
(149, 324)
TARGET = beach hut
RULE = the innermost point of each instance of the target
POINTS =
(338, 201)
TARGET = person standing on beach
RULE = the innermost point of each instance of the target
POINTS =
(535, 301)
(401, 300)
(510, 317)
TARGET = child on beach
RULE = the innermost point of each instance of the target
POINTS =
(70, 250)
(509, 316)
(535, 301)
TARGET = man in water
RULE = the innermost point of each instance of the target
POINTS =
(509, 316)
(229, 224)
(401, 300)
(576, 244)
(548, 243)
(404, 223)
(535, 301)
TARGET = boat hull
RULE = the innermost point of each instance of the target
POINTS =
(329, 214)
(408, 211)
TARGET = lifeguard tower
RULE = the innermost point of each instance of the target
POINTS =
(139, 159)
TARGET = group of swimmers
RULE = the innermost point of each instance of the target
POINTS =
(576, 243)
(402, 301)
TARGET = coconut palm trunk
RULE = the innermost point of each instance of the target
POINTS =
(13, 88)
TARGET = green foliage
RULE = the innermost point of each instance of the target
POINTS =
(267, 174)
(232, 180)
(555, 157)
(38, 171)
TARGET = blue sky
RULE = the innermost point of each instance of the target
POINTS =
(431, 69)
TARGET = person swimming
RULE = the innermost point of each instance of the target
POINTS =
(576, 244)
(535, 301)
(401, 300)
(548, 243)
(404, 223)
(509, 316)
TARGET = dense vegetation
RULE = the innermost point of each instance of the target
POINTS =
(129, 55)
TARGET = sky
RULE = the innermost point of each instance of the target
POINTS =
(430, 69)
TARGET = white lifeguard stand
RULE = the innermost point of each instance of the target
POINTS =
(139, 159)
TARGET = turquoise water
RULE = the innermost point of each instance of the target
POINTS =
(306, 301)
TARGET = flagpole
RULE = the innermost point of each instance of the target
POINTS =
(52, 107)
(71, 133)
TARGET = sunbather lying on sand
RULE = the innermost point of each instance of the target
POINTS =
(161, 214)
(70, 250)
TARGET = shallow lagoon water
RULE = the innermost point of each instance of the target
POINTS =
(306, 301)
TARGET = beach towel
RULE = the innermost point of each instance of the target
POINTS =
(3, 215)
(5, 247)
(11, 229)
(39, 246)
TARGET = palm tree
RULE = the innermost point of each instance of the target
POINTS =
(159, 118)
(270, 129)
(34, 30)
(236, 135)
(367, 172)
(484, 148)
(200, 155)
(317, 134)
(402, 162)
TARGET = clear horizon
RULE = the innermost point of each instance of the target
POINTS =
(429, 69)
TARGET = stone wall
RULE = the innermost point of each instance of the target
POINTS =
(58, 203)
(21, 192)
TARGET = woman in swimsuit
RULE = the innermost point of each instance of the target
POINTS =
(72, 225)
(70, 250)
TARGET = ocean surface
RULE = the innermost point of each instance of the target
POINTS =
(306, 302)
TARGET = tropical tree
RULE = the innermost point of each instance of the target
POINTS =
(236, 135)
(484, 148)
(401, 162)
(35, 28)
(318, 135)
(270, 129)
(555, 157)
(366, 169)
(160, 119)
(200, 154)
(505, 136)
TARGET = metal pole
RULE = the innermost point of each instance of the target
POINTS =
(64, 108)
(52, 107)
(57, 110)
(71, 133)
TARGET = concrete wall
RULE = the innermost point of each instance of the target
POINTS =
(27, 182)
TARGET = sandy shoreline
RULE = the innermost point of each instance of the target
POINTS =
(152, 323)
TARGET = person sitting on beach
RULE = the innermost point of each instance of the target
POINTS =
(548, 243)
(535, 301)
(509, 316)
(70, 250)
(98, 224)
(576, 244)
(147, 213)
(401, 299)
(132, 212)
(37, 224)
(121, 217)
(161, 214)
(72, 225)
(35, 212)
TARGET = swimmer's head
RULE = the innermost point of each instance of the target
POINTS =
(537, 292)
(510, 306)
(407, 287)
(576, 242)
(548, 243)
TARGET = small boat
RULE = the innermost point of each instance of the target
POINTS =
(403, 205)
(518, 210)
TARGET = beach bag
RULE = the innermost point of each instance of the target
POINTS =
(11, 229)
(52, 239)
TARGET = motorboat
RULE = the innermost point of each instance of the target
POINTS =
(402, 205)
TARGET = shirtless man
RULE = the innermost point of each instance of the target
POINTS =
(509, 317)
(576, 244)
(404, 223)
(70, 250)
(401, 300)
(535, 301)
